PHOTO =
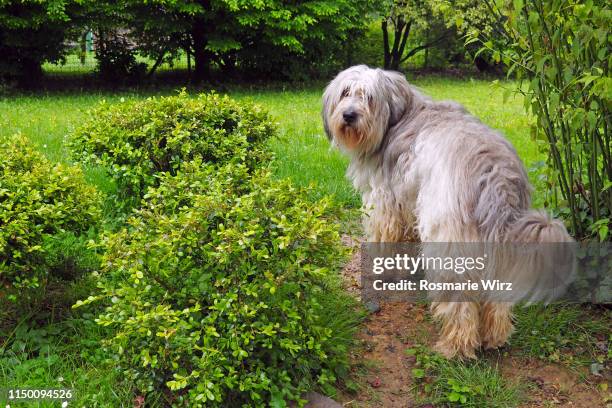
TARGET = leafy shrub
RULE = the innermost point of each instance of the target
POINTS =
(68, 255)
(368, 49)
(218, 291)
(38, 200)
(560, 52)
(116, 60)
(137, 140)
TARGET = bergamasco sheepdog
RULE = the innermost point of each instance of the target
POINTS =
(429, 171)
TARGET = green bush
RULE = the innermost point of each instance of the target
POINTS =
(38, 200)
(116, 59)
(560, 52)
(219, 291)
(137, 140)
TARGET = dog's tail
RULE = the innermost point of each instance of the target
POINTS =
(540, 259)
(538, 227)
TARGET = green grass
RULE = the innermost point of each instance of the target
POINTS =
(66, 354)
(564, 333)
(468, 384)
(303, 152)
(74, 66)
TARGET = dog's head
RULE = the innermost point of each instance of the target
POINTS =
(360, 104)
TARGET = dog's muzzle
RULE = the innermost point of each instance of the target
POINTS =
(349, 116)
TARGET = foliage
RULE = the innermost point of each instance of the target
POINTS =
(116, 60)
(436, 27)
(65, 353)
(136, 141)
(457, 383)
(222, 33)
(320, 41)
(419, 17)
(38, 200)
(215, 291)
(31, 32)
(562, 333)
(308, 31)
(560, 52)
(473, 19)
(440, 29)
(367, 49)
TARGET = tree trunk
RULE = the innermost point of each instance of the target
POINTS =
(383, 26)
(188, 62)
(393, 54)
(31, 73)
(158, 61)
(201, 71)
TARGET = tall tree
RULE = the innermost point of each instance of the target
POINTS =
(403, 18)
(214, 30)
(32, 32)
(410, 26)
(475, 19)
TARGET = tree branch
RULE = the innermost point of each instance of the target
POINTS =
(423, 46)
(159, 60)
(385, 42)
(405, 38)
(399, 26)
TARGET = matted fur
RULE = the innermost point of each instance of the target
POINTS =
(429, 171)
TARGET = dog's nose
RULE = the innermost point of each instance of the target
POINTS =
(349, 116)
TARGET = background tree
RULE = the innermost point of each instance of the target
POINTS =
(473, 19)
(224, 32)
(32, 32)
(410, 26)
(115, 51)
(421, 18)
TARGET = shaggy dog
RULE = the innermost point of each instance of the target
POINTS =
(429, 171)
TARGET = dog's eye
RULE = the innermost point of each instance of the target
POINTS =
(345, 92)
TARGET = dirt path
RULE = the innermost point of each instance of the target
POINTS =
(551, 384)
(384, 369)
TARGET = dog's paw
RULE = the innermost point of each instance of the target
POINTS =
(489, 344)
(497, 336)
(451, 350)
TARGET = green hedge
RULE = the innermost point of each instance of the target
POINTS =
(138, 140)
(219, 293)
(38, 201)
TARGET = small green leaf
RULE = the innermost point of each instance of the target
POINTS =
(418, 373)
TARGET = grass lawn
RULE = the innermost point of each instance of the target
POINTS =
(55, 354)
(303, 153)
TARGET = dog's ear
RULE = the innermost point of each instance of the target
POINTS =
(398, 95)
(325, 112)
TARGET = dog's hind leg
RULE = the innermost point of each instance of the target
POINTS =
(495, 324)
(459, 335)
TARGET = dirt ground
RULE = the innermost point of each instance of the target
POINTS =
(387, 380)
